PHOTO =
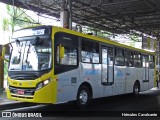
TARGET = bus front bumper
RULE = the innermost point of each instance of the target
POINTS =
(46, 94)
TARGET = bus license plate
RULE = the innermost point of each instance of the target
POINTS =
(20, 92)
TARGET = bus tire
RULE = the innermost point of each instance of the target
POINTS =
(83, 97)
(136, 89)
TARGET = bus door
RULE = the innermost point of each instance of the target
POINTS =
(129, 75)
(145, 72)
(107, 70)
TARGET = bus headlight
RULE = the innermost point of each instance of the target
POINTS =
(46, 82)
(42, 84)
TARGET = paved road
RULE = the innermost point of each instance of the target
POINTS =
(148, 101)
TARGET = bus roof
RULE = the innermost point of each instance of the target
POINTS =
(100, 39)
(95, 38)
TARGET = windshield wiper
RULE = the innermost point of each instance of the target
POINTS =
(19, 48)
(28, 52)
(36, 41)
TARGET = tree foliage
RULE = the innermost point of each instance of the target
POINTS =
(97, 32)
(134, 37)
(5, 68)
(17, 17)
(5, 24)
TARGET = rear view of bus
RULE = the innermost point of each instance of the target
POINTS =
(30, 71)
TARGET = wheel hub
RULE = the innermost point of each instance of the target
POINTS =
(83, 97)
(136, 89)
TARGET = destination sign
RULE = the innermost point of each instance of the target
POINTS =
(31, 32)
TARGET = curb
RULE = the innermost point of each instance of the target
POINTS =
(6, 104)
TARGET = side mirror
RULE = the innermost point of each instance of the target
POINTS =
(61, 51)
(5, 52)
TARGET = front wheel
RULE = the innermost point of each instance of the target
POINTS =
(136, 89)
(83, 97)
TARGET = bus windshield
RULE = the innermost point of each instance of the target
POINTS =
(30, 57)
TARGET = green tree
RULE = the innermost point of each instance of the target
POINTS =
(5, 24)
(5, 69)
(18, 17)
(134, 39)
(99, 33)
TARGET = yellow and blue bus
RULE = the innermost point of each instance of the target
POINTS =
(48, 64)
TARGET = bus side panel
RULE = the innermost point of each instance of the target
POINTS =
(67, 82)
(119, 80)
(91, 73)
(136, 76)
(132, 74)
(151, 78)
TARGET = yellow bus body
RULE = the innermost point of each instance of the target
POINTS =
(48, 93)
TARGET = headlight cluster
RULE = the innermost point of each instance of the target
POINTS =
(42, 84)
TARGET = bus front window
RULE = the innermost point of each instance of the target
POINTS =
(16, 56)
(37, 57)
(31, 57)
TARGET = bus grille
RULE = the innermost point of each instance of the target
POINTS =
(22, 97)
(27, 91)
(24, 77)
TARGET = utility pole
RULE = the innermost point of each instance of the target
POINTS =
(66, 14)
(1, 69)
(158, 62)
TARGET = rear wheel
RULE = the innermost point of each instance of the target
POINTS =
(83, 97)
(136, 88)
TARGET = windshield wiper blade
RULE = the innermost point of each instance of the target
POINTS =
(20, 51)
(28, 52)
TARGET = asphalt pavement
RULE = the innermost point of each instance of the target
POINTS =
(102, 108)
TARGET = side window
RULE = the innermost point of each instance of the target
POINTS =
(145, 61)
(151, 62)
(105, 56)
(119, 57)
(89, 51)
(110, 55)
(70, 56)
(157, 60)
(129, 58)
(137, 59)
